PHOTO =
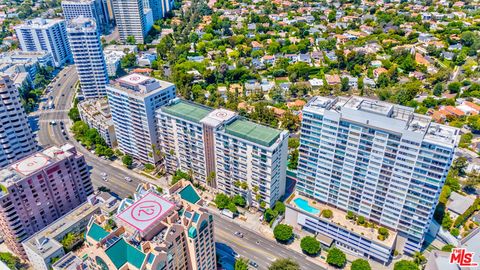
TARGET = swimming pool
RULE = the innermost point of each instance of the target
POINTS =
(303, 204)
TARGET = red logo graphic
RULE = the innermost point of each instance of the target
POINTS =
(462, 257)
(146, 211)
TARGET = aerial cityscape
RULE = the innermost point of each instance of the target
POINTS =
(240, 134)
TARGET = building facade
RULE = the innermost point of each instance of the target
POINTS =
(130, 19)
(86, 47)
(96, 113)
(133, 100)
(177, 235)
(38, 190)
(44, 246)
(159, 7)
(45, 35)
(17, 140)
(223, 151)
(379, 160)
(94, 9)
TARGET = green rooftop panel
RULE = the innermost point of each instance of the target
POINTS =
(189, 194)
(253, 132)
(188, 111)
(96, 232)
(122, 252)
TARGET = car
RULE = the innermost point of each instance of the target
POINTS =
(105, 179)
(104, 174)
(128, 179)
(63, 95)
(53, 123)
(253, 264)
(58, 84)
(50, 97)
(61, 123)
(239, 234)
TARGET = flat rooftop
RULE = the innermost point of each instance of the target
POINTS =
(187, 110)
(253, 132)
(34, 163)
(394, 117)
(147, 211)
(339, 217)
(139, 85)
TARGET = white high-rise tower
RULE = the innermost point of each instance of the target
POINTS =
(86, 47)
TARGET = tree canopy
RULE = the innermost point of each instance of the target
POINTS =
(283, 232)
(360, 264)
(336, 257)
(284, 264)
(310, 245)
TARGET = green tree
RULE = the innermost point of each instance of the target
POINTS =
(131, 40)
(222, 201)
(327, 213)
(418, 258)
(269, 215)
(127, 160)
(74, 114)
(241, 264)
(279, 207)
(239, 200)
(310, 245)
(10, 260)
(293, 143)
(283, 232)
(383, 80)
(448, 248)
(405, 265)
(360, 264)
(336, 257)
(454, 87)
(284, 264)
(344, 84)
(293, 160)
(129, 61)
(474, 122)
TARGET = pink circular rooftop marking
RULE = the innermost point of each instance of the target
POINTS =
(31, 164)
(146, 211)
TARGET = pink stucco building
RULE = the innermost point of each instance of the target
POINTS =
(39, 189)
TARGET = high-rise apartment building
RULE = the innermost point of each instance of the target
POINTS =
(45, 35)
(133, 100)
(94, 9)
(46, 245)
(154, 232)
(224, 151)
(39, 189)
(159, 7)
(16, 138)
(86, 47)
(378, 160)
(130, 17)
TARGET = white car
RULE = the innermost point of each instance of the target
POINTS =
(128, 179)
(104, 174)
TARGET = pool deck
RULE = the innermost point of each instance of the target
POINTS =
(339, 218)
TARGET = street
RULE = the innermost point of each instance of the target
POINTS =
(252, 246)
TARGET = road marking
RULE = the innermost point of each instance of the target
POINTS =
(229, 237)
